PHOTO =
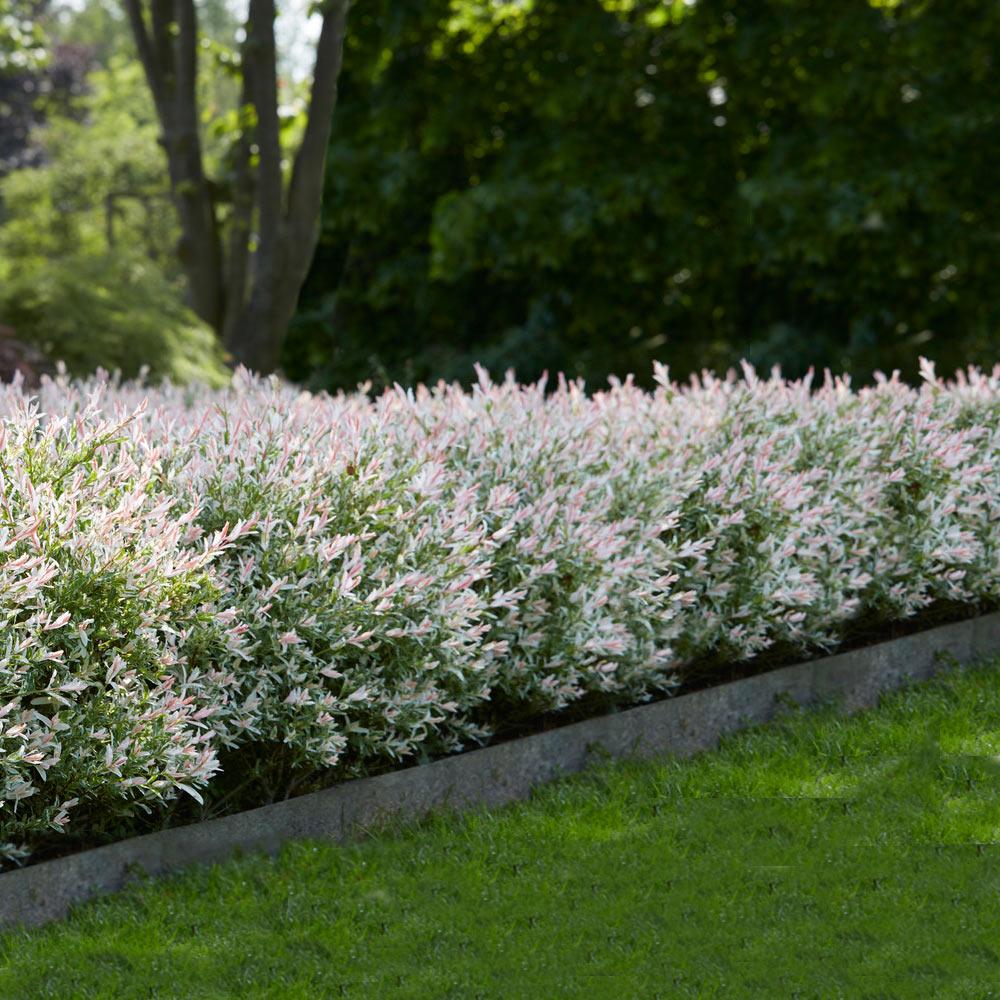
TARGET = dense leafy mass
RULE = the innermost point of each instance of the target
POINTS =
(587, 185)
(86, 274)
(563, 185)
(264, 582)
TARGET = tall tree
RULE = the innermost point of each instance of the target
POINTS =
(244, 267)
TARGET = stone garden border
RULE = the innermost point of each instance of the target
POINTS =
(498, 774)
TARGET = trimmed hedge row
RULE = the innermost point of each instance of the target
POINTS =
(213, 591)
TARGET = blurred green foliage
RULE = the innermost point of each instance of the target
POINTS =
(35, 78)
(106, 147)
(21, 41)
(587, 185)
(581, 186)
(115, 311)
(87, 270)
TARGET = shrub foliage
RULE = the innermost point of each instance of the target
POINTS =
(268, 584)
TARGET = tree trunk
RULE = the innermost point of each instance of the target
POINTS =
(249, 299)
(260, 332)
(199, 249)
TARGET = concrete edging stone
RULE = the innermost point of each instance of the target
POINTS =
(498, 774)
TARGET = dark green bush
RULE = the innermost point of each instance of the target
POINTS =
(591, 184)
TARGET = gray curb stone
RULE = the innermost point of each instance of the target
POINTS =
(499, 774)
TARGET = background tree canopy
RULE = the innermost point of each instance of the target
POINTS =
(575, 185)
(87, 273)
(88, 270)
(587, 185)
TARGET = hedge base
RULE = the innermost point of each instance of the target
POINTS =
(499, 774)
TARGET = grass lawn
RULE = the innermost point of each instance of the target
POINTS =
(819, 857)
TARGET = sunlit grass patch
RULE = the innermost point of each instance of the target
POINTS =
(817, 857)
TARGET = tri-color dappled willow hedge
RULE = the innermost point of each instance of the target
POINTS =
(194, 581)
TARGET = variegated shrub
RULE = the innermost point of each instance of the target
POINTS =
(195, 578)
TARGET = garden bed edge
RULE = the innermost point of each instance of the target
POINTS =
(497, 774)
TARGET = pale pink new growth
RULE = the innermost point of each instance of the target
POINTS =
(187, 572)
